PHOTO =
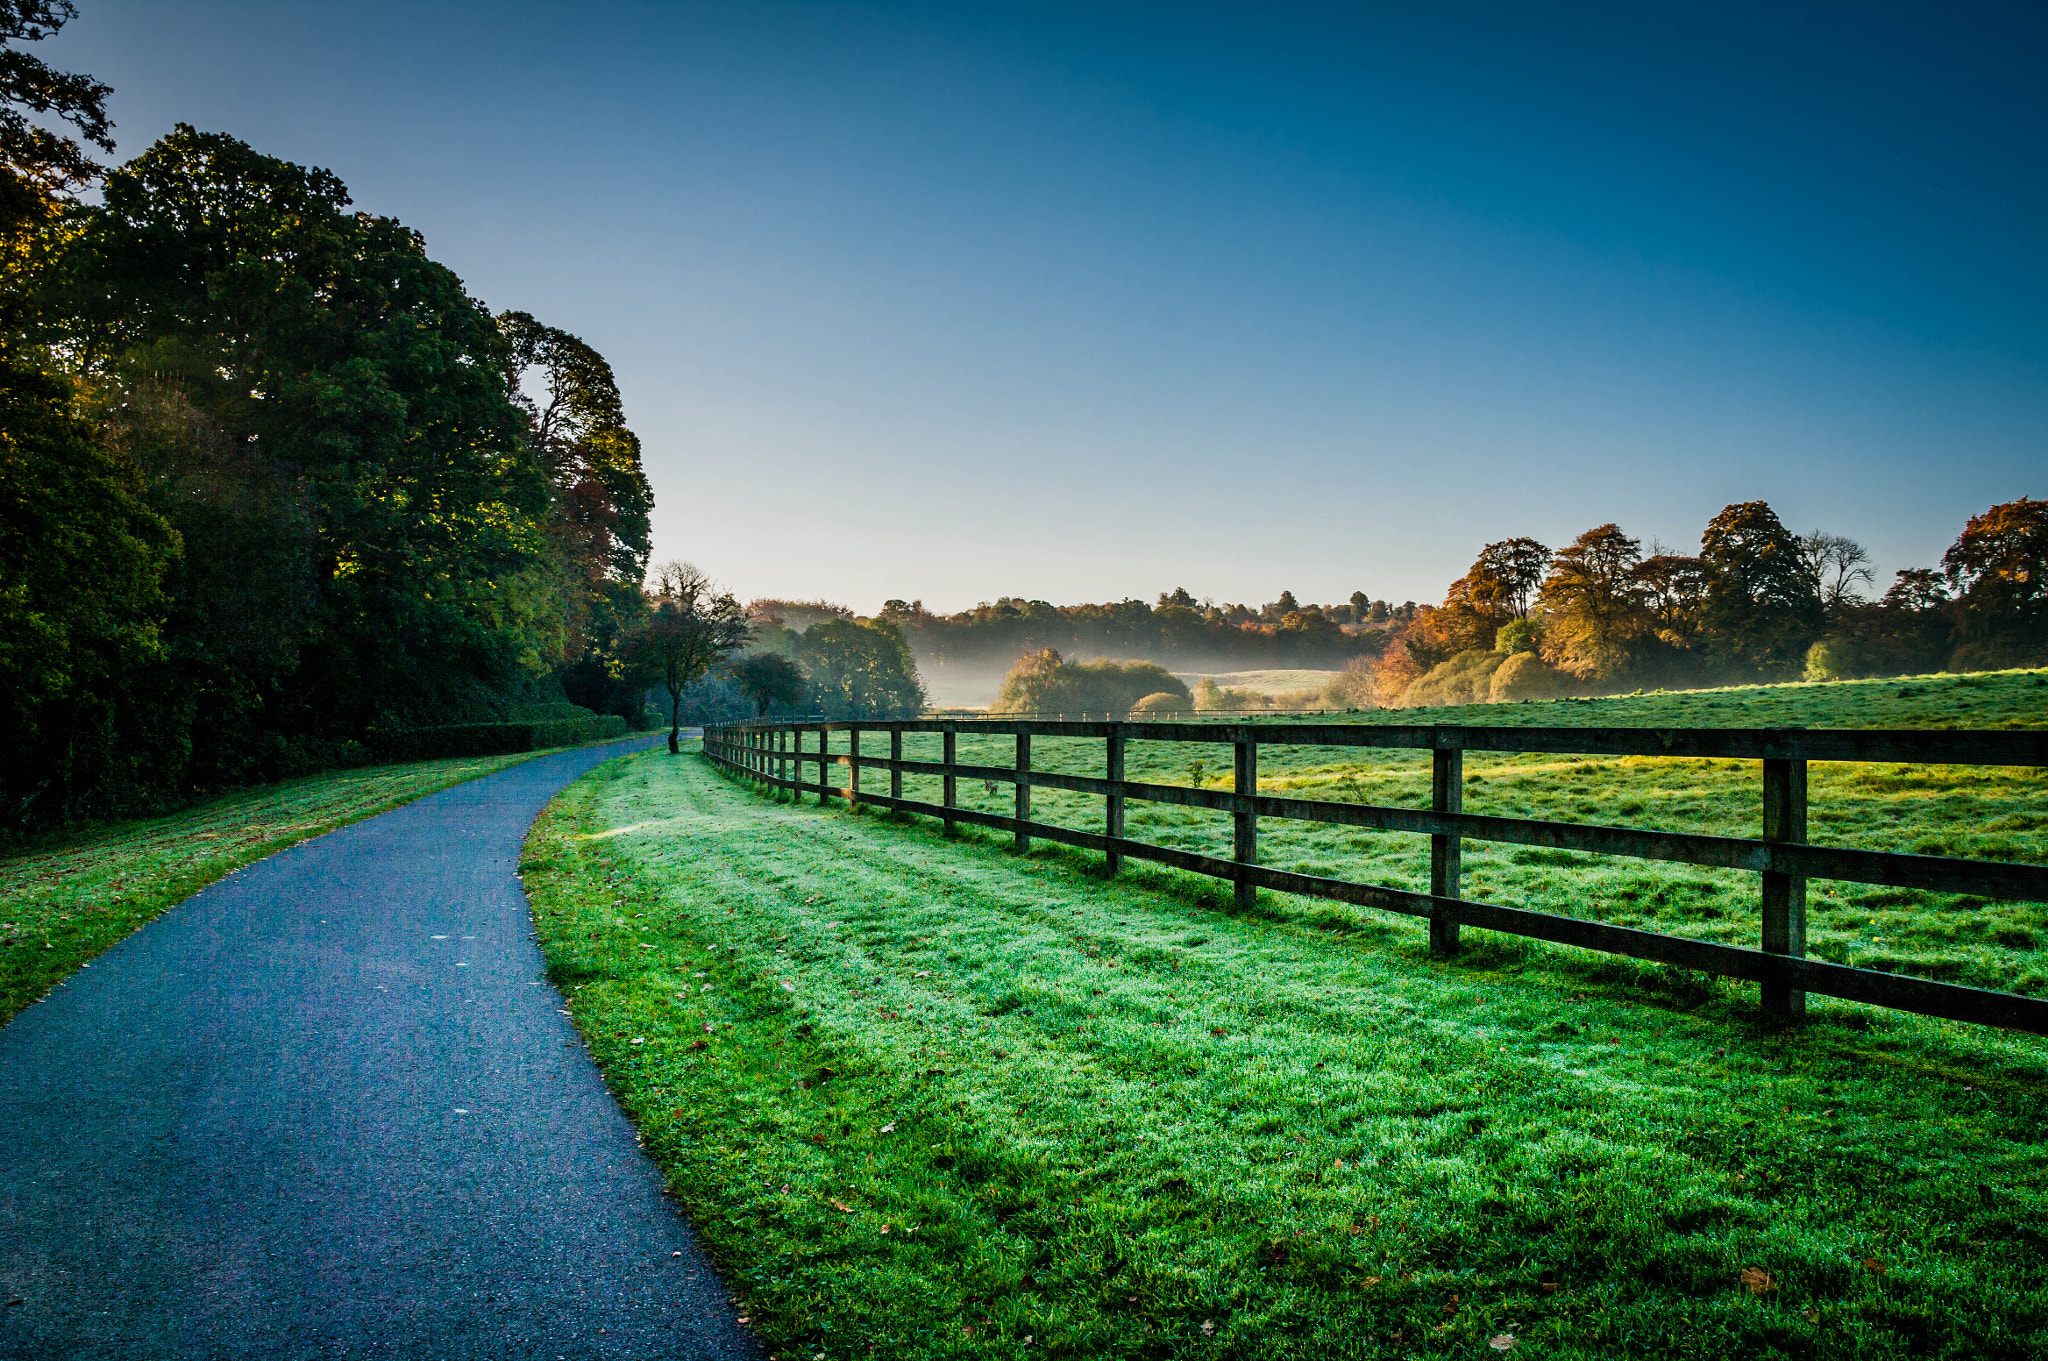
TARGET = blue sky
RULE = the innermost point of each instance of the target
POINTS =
(956, 301)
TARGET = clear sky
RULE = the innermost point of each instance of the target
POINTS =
(954, 301)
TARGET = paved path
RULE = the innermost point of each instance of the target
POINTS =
(329, 1107)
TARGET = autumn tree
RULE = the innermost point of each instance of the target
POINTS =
(1594, 607)
(1674, 587)
(1998, 567)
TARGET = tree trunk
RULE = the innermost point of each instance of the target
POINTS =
(675, 722)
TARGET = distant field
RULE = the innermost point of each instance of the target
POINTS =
(1265, 682)
(926, 1098)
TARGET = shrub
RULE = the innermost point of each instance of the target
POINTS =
(1162, 704)
(1518, 636)
(1828, 660)
(1465, 679)
(1524, 676)
(1044, 683)
(490, 739)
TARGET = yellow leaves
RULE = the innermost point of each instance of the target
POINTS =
(1757, 1281)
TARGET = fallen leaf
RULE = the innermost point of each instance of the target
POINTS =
(1811, 1316)
(889, 1128)
(842, 1207)
(1502, 1342)
(1873, 1266)
(1219, 1032)
(1208, 1327)
(1372, 1280)
(789, 987)
(924, 973)
(1340, 1164)
(639, 1039)
(1757, 1281)
(885, 1228)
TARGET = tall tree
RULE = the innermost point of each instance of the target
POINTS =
(1762, 608)
(1593, 605)
(1674, 589)
(1998, 566)
(693, 627)
(770, 680)
(860, 668)
(1838, 565)
(1507, 575)
(327, 341)
(600, 528)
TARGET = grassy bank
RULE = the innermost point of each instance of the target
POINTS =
(927, 1098)
(65, 902)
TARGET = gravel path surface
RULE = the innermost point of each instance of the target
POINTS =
(330, 1107)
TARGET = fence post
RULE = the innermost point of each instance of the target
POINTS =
(796, 763)
(895, 756)
(1246, 840)
(1446, 853)
(1113, 817)
(952, 782)
(1023, 804)
(824, 747)
(1784, 894)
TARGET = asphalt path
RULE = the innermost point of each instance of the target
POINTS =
(331, 1107)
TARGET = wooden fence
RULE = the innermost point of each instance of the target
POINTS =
(776, 754)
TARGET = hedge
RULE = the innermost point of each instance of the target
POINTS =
(491, 739)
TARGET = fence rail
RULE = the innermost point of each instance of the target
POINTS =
(775, 754)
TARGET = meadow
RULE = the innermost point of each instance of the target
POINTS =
(68, 899)
(925, 1097)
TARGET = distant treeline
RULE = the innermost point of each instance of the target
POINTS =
(1757, 602)
(272, 483)
(1179, 631)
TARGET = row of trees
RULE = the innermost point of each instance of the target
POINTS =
(270, 478)
(1186, 633)
(1757, 602)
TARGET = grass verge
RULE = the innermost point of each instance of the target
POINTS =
(64, 902)
(926, 1098)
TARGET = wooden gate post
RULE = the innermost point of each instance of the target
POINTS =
(853, 780)
(896, 756)
(1245, 841)
(952, 781)
(796, 763)
(1784, 894)
(1023, 804)
(1113, 816)
(1446, 853)
(824, 746)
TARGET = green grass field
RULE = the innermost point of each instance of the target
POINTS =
(66, 901)
(927, 1098)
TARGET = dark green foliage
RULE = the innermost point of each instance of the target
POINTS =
(770, 680)
(39, 165)
(859, 668)
(318, 501)
(82, 562)
(490, 739)
(1762, 607)
(1045, 683)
